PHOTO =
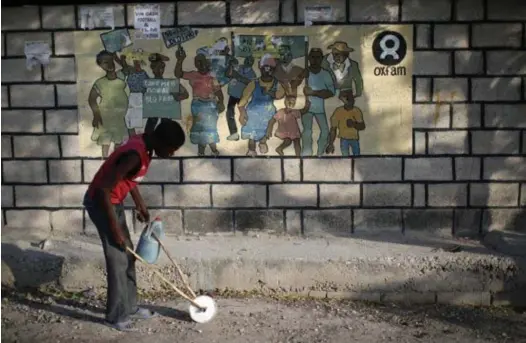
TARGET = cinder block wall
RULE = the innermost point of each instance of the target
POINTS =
(467, 174)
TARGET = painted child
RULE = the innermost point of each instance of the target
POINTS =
(288, 129)
(118, 176)
(346, 122)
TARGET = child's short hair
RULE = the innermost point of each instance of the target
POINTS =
(170, 133)
(103, 54)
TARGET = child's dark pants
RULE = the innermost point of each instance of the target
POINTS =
(120, 265)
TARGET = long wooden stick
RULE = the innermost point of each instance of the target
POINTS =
(181, 274)
(181, 293)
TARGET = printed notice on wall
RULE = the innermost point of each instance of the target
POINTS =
(96, 16)
(148, 21)
(317, 13)
(37, 52)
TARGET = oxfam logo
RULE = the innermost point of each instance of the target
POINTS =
(389, 48)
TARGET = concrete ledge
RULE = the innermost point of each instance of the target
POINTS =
(359, 269)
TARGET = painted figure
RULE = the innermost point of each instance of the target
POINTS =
(207, 101)
(240, 77)
(346, 122)
(109, 103)
(345, 71)
(289, 74)
(319, 86)
(256, 106)
(158, 64)
(288, 129)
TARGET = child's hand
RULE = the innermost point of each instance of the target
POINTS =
(330, 148)
(308, 91)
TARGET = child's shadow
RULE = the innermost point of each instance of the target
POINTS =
(170, 312)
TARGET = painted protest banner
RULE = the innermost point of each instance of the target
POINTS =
(116, 40)
(259, 45)
(159, 101)
(178, 36)
(148, 21)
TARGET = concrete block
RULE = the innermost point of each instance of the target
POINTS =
(37, 219)
(419, 195)
(163, 170)
(468, 10)
(515, 298)
(14, 70)
(67, 221)
(50, 196)
(409, 297)
(239, 196)
(429, 221)
(420, 143)
(431, 63)
(423, 89)
(167, 14)
(293, 222)
(469, 62)
(494, 194)
(64, 43)
(90, 168)
(152, 195)
(208, 170)
(421, 10)
(201, 12)
(60, 69)
(7, 196)
(24, 171)
(447, 195)
(376, 10)
(22, 121)
(327, 170)
(71, 195)
(292, 195)
(67, 95)
(15, 42)
(5, 97)
(32, 95)
(118, 14)
(288, 10)
(467, 223)
(378, 169)
(58, 17)
(322, 223)
(495, 89)
(172, 221)
(503, 220)
(505, 168)
(377, 221)
(505, 116)
(506, 63)
(36, 146)
(260, 220)
(65, 171)
(6, 146)
(420, 169)
(11, 18)
(62, 121)
(428, 116)
(387, 194)
(203, 221)
(338, 9)
(451, 36)
(423, 36)
(496, 35)
(447, 89)
(467, 168)
(506, 10)
(466, 115)
(257, 170)
(448, 142)
(70, 146)
(495, 142)
(254, 12)
(187, 195)
(464, 298)
(334, 195)
(292, 169)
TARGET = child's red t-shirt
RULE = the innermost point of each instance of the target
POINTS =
(124, 186)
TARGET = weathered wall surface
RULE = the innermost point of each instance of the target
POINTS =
(467, 173)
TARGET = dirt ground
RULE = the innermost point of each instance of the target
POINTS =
(43, 318)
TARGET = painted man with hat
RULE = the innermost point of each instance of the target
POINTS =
(343, 68)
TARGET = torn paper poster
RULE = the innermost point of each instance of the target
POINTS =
(317, 13)
(96, 16)
(148, 21)
(37, 52)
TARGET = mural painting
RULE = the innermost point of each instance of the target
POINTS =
(283, 91)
